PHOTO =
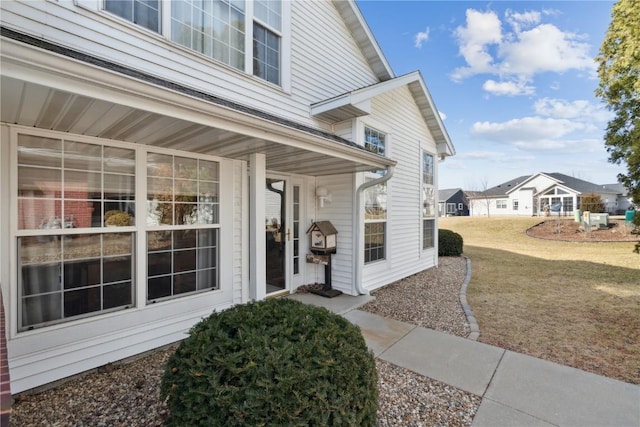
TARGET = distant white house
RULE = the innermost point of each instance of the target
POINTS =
(160, 160)
(531, 195)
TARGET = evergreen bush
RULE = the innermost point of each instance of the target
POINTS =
(449, 243)
(274, 362)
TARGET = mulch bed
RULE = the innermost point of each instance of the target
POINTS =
(569, 230)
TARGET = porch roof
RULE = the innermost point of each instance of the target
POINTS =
(48, 86)
(357, 103)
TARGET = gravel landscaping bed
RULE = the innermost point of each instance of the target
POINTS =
(128, 394)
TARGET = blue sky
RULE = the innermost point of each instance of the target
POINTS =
(513, 80)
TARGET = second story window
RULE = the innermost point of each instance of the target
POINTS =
(145, 13)
(213, 28)
(266, 40)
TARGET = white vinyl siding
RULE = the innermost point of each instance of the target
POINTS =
(312, 67)
(396, 113)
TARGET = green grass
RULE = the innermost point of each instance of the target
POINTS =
(572, 303)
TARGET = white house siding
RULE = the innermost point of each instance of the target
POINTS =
(50, 353)
(340, 212)
(318, 59)
(324, 63)
(396, 113)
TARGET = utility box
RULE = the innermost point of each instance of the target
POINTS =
(600, 220)
(323, 237)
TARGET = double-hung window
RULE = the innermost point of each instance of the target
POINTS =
(375, 204)
(428, 201)
(501, 204)
(267, 28)
(182, 225)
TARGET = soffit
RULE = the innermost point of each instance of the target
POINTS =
(33, 105)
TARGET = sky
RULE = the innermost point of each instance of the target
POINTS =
(514, 82)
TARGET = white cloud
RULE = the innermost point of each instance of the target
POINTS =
(580, 109)
(545, 48)
(421, 37)
(494, 156)
(541, 134)
(519, 20)
(528, 47)
(482, 30)
(443, 116)
(511, 88)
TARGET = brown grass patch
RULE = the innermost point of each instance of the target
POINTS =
(572, 303)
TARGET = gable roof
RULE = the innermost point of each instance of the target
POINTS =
(357, 103)
(500, 189)
(353, 18)
(446, 194)
(577, 185)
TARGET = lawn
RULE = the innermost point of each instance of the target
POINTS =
(574, 303)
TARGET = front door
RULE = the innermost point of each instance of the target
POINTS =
(276, 234)
(284, 234)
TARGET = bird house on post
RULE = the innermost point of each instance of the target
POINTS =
(323, 237)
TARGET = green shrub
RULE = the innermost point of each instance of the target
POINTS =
(274, 362)
(449, 243)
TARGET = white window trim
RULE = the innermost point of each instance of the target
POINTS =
(434, 217)
(225, 225)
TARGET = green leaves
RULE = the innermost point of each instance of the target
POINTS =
(619, 88)
(274, 362)
(449, 243)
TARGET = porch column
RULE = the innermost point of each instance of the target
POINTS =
(257, 240)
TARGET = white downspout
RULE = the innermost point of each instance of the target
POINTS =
(358, 221)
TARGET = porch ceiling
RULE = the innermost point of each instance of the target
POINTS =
(35, 105)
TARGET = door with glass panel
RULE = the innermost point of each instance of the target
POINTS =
(282, 232)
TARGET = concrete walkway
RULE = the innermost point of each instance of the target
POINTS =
(516, 390)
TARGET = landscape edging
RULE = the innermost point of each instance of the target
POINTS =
(474, 333)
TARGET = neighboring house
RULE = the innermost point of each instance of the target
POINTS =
(536, 194)
(452, 202)
(623, 201)
(160, 161)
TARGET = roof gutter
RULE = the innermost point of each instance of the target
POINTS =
(359, 226)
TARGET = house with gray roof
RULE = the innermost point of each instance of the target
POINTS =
(453, 202)
(536, 194)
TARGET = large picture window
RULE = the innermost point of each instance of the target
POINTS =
(428, 201)
(75, 229)
(214, 28)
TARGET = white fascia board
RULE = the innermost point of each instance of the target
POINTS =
(358, 26)
(56, 71)
(341, 101)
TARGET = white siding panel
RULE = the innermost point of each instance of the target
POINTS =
(322, 64)
(340, 212)
(396, 113)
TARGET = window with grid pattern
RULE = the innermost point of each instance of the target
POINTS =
(429, 201)
(375, 203)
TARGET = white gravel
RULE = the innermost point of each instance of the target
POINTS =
(128, 394)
